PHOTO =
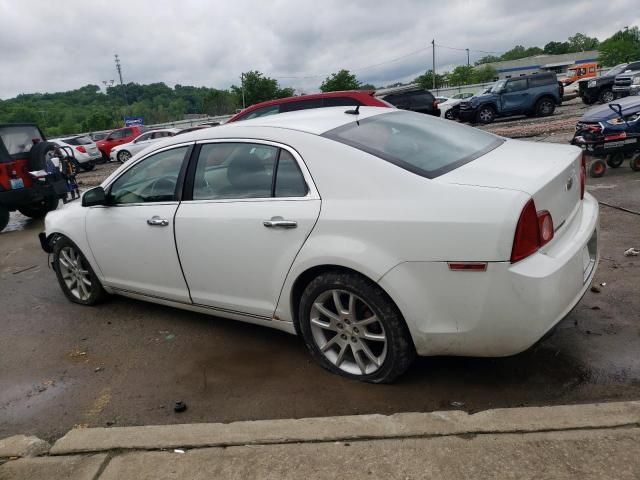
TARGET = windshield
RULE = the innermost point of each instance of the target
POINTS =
(498, 86)
(18, 139)
(416, 142)
(617, 69)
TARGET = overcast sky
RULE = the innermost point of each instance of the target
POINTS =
(50, 46)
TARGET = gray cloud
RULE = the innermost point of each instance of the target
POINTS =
(50, 46)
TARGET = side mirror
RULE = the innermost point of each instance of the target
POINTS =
(93, 197)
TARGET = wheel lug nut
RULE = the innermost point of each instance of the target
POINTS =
(347, 321)
(355, 330)
(354, 339)
(343, 336)
(340, 326)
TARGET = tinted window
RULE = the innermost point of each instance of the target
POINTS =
(117, 134)
(301, 105)
(234, 170)
(516, 85)
(289, 179)
(154, 179)
(262, 112)
(415, 142)
(539, 80)
(341, 102)
(421, 99)
(127, 132)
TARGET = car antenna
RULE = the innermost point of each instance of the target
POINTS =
(355, 111)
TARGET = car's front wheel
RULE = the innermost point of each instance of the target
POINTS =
(123, 156)
(87, 167)
(486, 114)
(606, 96)
(352, 328)
(449, 115)
(77, 279)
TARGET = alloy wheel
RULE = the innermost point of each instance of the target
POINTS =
(348, 333)
(75, 273)
(124, 156)
(608, 97)
(486, 115)
(546, 107)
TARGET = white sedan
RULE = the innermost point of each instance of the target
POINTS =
(84, 150)
(375, 234)
(122, 153)
(445, 104)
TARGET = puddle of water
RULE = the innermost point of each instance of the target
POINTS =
(17, 222)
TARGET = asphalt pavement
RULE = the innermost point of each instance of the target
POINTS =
(127, 362)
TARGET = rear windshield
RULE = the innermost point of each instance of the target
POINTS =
(84, 140)
(420, 143)
(18, 139)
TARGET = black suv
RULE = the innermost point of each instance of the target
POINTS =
(536, 94)
(421, 101)
(600, 89)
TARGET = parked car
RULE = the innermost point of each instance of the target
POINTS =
(580, 71)
(421, 101)
(85, 150)
(333, 226)
(192, 129)
(600, 89)
(462, 95)
(118, 137)
(95, 136)
(536, 94)
(609, 134)
(124, 152)
(627, 82)
(24, 149)
(446, 104)
(349, 98)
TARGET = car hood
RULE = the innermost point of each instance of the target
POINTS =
(603, 112)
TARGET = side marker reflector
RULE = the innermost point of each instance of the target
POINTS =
(468, 266)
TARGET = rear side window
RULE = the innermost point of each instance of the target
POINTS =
(289, 179)
(421, 99)
(18, 139)
(84, 140)
(540, 80)
(341, 102)
(419, 143)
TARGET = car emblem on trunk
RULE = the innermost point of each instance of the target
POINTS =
(569, 183)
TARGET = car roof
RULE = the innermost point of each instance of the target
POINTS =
(315, 121)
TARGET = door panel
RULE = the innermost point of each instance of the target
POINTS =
(134, 255)
(231, 260)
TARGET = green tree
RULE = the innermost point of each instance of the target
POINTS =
(258, 88)
(343, 80)
(556, 48)
(581, 43)
(426, 80)
(488, 59)
(461, 75)
(484, 74)
(622, 46)
(367, 86)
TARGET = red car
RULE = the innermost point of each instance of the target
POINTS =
(351, 98)
(118, 137)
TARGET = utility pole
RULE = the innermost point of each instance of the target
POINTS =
(467, 56)
(433, 46)
(119, 69)
(242, 87)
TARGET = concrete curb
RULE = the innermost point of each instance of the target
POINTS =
(351, 428)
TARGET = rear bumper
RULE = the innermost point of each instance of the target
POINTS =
(504, 310)
(13, 199)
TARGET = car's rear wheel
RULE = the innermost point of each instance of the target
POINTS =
(4, 217)
(486, 115)
(449, 115)
(597, 168)
(40, 209)
(634, 162)
(352, 328)
(545, 107)
(77, 279)
(606, 96)
(87, 167)
(615, 160)
(124, 156)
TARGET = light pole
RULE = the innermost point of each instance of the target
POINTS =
(242, 88)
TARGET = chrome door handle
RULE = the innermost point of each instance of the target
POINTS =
(279, 222)
(156, 221)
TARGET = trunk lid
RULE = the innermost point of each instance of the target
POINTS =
(549, 173)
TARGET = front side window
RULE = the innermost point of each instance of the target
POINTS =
(246, 170)
(116, 135)
(154, 179)
(419, 143)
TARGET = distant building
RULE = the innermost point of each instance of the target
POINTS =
(543, 63)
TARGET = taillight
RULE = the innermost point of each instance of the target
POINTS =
(583, 174)
(534, 230)
(435, 104)
(81, 149)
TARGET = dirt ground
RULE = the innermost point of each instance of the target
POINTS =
(126, 362)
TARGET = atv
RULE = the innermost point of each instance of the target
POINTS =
(610, 134)
(30, 182)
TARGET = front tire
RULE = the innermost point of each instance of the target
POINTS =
(77, 279)
(449, 115)
(606, 96)
(486, 115)
(352, 328)
(87, 167)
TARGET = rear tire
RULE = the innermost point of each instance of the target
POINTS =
(449, 115)
(77, 279)
(40, 209)
(606, 96)
(364, 338)
(597, 168)
(87, 167)
(615, 160)
(545, 107)
(4, 217)
(634, 163)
